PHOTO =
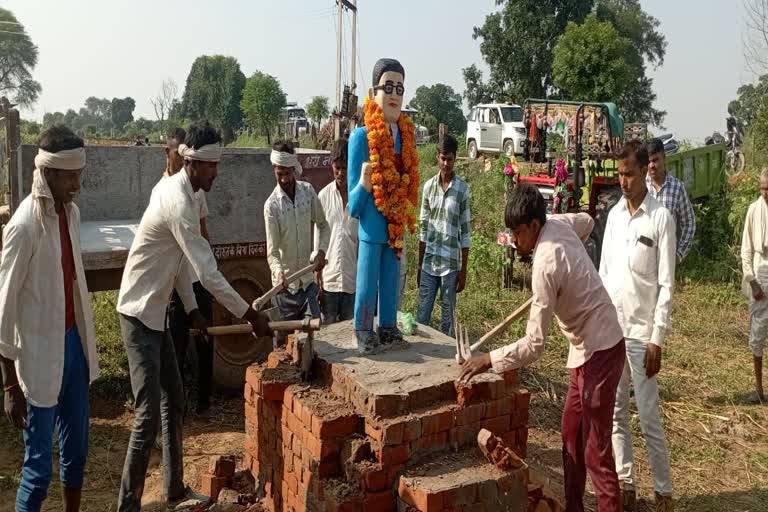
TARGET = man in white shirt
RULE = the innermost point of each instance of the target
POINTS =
(178, 320)
(47, 338)
(337, 298)
(754, 264)
(637, 267)
(167, 238)
(289, 215)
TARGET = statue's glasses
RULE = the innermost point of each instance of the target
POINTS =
(389, 87)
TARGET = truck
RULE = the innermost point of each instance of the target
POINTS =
(591, 133)
(116, 187)
(495, 128)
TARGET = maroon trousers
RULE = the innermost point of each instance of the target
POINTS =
(587, 425)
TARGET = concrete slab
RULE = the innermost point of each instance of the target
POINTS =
(396, 382)
(105, 244)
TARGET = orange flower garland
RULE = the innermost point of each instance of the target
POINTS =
(395, 194)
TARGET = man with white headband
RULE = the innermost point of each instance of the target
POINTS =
(289, 215)
(47, 338)
(167, 238)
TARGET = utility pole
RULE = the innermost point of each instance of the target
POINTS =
(337, 120)
(340, 88)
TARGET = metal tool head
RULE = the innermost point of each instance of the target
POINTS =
(463, 351)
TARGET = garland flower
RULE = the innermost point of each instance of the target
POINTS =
(395, 193)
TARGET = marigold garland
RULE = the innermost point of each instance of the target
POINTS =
(395, 194)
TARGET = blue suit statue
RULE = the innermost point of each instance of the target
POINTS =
(378, 264)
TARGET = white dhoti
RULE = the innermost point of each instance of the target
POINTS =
(758, 315)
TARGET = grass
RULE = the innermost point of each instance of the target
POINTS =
(718, 445)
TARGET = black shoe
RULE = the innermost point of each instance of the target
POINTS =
(390, 336)
(367, 342)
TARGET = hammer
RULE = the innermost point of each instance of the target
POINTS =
(286, 326)
(464, 349)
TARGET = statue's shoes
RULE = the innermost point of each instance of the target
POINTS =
(368, 343)
(391, 336)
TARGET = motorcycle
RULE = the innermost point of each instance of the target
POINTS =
(671, 146)
(734, 137)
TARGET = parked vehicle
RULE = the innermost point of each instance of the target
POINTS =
(422, 132)
(671, 146)
(495, 128)
(292, 121)
(734, 138)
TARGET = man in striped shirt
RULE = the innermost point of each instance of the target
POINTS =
(444, 238)
(671, 192)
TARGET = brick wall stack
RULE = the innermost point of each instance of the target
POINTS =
(330, 445)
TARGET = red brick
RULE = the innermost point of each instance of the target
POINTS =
(388, 433)
(465, 494)
(438, 422)
(498, 425)
(328, 469)
(253, 377)
(393, 473)
(411, 429)
(511, 378)
(497, 389)
(211, 485)
(418, 498)
(251, 414)
(248, 393)
(350, 504)
(294, 424)
(376, 480)
(523, 399)
(426, 395)
(273, 391)
(488, 492)
(430, 443)
(470, 414)
(222, 466)
(466, 435)
(293, 483)
(320, 449)
(379, 502)
(480, 507)
(501, 407)
(336, 427)
(389, 455)
(521, 442)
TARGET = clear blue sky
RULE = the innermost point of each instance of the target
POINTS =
(111, 48)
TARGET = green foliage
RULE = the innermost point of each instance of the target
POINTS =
(437, 104)
(18, 57)
(262, 100)
(590, 61)
(476, 91)
(751, 101)
(213, 91)
(121, 111)
(318, 109)
(518, 42)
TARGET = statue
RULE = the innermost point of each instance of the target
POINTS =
(383, 181)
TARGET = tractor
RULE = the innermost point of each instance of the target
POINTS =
(590, 134)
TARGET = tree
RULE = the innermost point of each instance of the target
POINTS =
(756, 36)
(648, 46)
(262, 100)
(476, 91)
(751, 101)
(437, 104)
(18, 57)
(213, 91)
(591, 62)
(122, 111)
(518, 43)
(165, 100)
(318, 109)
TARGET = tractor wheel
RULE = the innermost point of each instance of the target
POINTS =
(607, 198)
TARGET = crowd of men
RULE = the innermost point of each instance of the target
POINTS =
(616, 317)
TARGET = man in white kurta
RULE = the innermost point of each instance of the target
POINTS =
(754, 263)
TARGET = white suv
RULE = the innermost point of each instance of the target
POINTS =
(495, 128)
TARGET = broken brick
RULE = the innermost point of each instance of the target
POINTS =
(211, 485)
(222, 466)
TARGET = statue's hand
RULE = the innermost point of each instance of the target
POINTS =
(365, 176)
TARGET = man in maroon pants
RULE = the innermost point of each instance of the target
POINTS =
(566, 284)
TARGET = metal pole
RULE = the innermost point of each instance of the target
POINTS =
(354, 46)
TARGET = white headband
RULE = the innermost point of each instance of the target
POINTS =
(208, 153)
(283, 159)
(66, 160)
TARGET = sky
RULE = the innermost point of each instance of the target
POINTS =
(115, 49)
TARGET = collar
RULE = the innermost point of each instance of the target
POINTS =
(185, 183)
(282, 195)
(440, 181)
(644, 206)
(650, 183)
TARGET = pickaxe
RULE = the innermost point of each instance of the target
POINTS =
(464, 349)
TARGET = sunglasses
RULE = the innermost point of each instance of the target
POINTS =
(389, 87)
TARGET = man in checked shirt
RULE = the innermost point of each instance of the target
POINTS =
(670, 192)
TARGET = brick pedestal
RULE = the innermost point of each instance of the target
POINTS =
(360, 434)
